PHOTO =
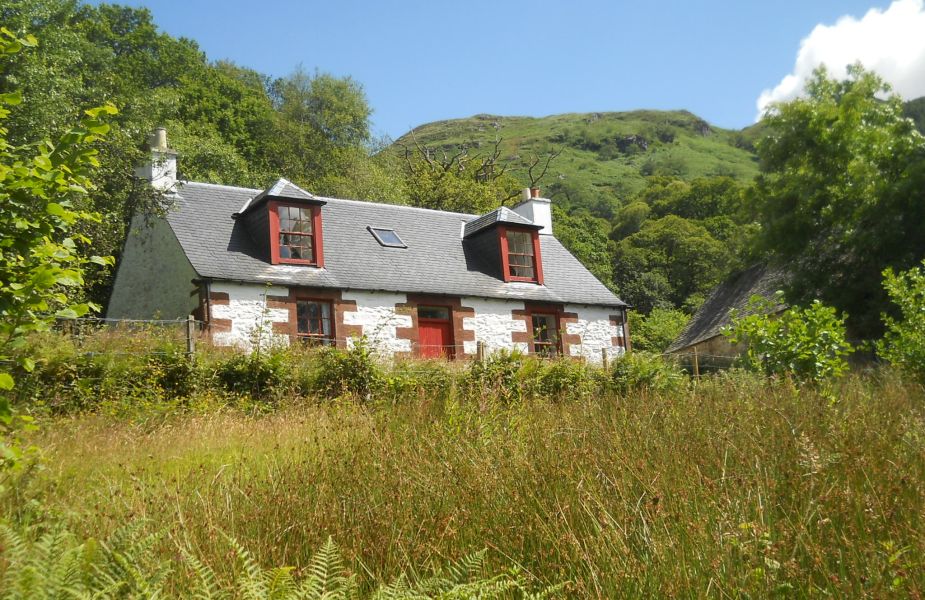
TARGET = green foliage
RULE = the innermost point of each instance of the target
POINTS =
(842, 193)
(495, 377)
(42, 257)
(806, 343)
(638, 372)
(353, 371)
(586, 236)
(687, 258)
(655, 332)
(52, 562)
(260, 374)
(904, 341)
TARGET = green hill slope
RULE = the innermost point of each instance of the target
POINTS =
(605, 157)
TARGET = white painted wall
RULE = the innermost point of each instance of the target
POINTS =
(593, 325)
(493, 325)
(251, 320)
(375, 313)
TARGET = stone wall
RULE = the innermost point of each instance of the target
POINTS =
(242, 314)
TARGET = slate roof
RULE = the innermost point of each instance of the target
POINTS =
(734, 293)
(436, 261)
(281, 188)
(499, 215)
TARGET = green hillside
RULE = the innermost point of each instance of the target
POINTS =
(605, 157)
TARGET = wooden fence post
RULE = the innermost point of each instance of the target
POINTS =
(696, 364)
(190, 335)
(605, 358)
(480, 351)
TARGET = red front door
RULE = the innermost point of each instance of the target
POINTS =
(435, 335)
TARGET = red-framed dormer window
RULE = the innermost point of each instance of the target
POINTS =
(295, 234)
(520, 255)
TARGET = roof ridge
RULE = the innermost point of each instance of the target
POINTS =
(220, 185)
(402, 206)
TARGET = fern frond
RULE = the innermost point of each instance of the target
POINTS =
(206, 585)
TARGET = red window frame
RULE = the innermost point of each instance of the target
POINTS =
(556, 346)
(314, 338)
(317, 237)
(506, 258)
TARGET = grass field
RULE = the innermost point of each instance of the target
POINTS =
(732, 486)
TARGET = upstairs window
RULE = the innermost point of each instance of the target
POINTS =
(295, 232)
(313, 322)
(520, 255)
(545, 334)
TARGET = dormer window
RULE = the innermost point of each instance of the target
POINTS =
(295, 234)
(520, 255)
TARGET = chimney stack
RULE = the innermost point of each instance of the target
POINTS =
(161, 168)
(536, 208)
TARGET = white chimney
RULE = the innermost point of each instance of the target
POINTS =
(161, 169)
(538, 210)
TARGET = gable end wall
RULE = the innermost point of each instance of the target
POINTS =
(154, 278)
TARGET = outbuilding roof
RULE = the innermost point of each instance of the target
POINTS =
(437, 259)
(733, 294)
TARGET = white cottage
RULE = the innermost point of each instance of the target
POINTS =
(283, 263)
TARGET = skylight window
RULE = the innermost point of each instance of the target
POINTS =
(387, 237)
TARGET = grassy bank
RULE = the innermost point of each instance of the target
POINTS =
(732, 485)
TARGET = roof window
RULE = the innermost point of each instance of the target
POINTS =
(387, 237)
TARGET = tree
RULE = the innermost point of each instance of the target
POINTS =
(673, 251)
(807, 343)
(41, 258)
(841, 194)
(904, 341)
(655, 332)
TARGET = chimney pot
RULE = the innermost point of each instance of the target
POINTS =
(159, 139)
(534, 192)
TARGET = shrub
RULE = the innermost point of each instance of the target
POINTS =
(353, 372)
(643, 371)
(806, 343)
(495, 377)
(260, 374)
(419, 379)
(556, 379)
(655, 332)
(904, 341)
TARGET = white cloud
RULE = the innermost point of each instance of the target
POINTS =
(890, 42)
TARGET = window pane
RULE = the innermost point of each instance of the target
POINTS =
(545, 336)
(517, 271)
(313, 319)
(520, 242)
(434, 312)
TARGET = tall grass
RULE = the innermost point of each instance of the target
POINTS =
(734, 485)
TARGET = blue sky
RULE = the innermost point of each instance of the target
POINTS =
(421, 61)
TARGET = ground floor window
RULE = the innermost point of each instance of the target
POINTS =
(313, 322)
(545, 334)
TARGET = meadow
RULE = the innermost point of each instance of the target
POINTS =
(606, 482)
